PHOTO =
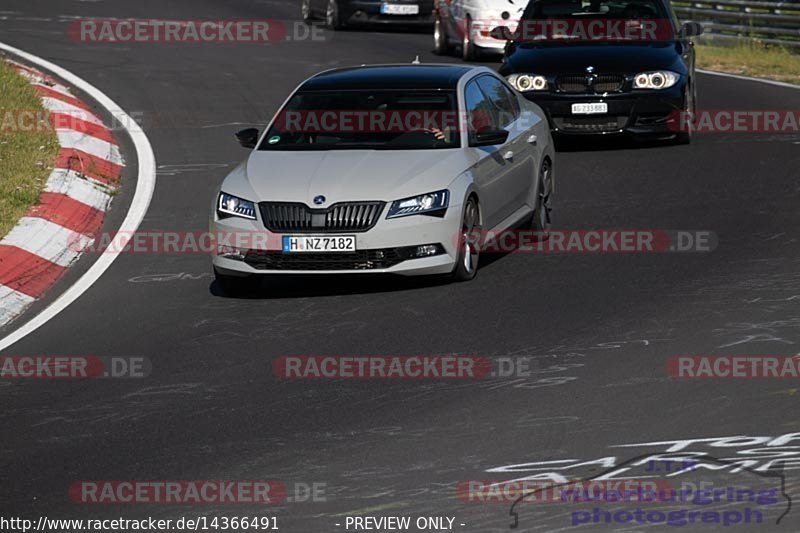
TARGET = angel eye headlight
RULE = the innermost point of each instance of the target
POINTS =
(662, 79)
(527, 82)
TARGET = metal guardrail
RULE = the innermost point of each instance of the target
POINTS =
(736, 20)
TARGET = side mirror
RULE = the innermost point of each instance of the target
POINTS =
(490, 138)
(691, 29)
(247, 137)
(502, 33)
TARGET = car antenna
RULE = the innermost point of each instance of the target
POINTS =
(416, 61)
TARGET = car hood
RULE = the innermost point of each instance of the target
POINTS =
(559, 58)
(351, 175)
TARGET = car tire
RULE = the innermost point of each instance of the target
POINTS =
(305, 11)
(236, 285)
(466, 267)
(440, 44)
(332, 20)
(468, 51)
(685, 137)
(541, 220)
(543, 213)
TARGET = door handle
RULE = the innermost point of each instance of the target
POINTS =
(508, 156)
(533, 139)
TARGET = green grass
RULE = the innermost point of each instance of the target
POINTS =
(751, 59)
(26, 157)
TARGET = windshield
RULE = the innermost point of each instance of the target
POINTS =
(366, 120)
(596, 20)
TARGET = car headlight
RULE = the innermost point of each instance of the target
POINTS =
(527, 82)
(433, 203)
(662, 79)
(231, 206)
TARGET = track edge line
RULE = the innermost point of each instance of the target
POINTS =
(749, 78)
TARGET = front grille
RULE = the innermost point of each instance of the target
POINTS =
(360, 260)
(590, 84)
(572, 84)
(282, 217)
(590, 124)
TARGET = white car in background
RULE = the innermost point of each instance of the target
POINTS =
(469, 23)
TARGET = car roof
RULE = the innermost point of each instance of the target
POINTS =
(413, 76)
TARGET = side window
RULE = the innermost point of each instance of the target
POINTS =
(481, 112)
(504, 100)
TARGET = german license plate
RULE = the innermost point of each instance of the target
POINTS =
(323, 243)
(399, 9)
(595, 108)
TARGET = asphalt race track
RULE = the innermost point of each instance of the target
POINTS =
(600, 326)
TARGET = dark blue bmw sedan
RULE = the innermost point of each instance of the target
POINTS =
(605, 66)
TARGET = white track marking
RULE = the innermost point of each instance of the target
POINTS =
(12, 303)
(91, 145)
(55, 105)
(44, 239)
(145, 186)
(70, 183)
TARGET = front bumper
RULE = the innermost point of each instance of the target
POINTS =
(383, 249)
(369, 12)
(482, 29)
(487, 42)
(645, 113)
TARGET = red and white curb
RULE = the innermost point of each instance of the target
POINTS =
(37, 252)
(142, 195)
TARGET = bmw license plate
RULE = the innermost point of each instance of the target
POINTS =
(323, 243)
(596, 108)
(399, 9)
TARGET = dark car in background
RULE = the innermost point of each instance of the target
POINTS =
(605, 66)
(339, 14)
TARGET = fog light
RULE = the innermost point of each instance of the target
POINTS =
(230, 252)
(426, 250)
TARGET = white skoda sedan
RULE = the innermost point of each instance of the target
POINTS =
(385, 169)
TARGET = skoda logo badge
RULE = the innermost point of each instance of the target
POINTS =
(319, 200)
